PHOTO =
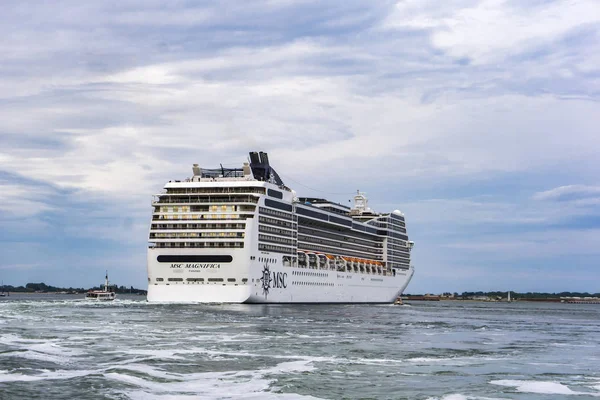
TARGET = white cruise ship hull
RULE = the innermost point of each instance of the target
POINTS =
(266, 281)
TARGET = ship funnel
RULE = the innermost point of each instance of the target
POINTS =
(254, 159)
(262, 170)
(264, 158)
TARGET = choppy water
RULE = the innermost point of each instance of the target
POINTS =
(61, 347)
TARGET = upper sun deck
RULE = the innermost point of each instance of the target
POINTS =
(256, 173)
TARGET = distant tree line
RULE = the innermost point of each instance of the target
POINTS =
(517, 295)
(43, 288)
(531, 295)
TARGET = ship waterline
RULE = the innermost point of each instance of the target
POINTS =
(242, 236)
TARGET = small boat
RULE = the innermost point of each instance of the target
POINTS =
(101, 295)
(3, 293)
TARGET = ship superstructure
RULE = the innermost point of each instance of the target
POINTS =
(240, 235)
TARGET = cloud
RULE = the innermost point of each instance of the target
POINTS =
(20, 267)
(527, 245)
(20, 200)
(492, 30)
(579, 193)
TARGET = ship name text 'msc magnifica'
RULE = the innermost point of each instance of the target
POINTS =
(240, 235)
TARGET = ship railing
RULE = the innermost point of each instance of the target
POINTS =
(249, 200)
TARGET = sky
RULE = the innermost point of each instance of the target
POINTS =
(479, 119)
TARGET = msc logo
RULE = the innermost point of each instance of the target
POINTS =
(272, 280)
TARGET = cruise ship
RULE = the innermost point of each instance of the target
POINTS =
(240, 235)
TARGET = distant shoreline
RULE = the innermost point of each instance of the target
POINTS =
(565, 300)
(64, 293)
(42, 288)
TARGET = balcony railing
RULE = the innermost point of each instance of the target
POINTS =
(162, 201)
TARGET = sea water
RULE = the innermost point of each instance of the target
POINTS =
(64, 347)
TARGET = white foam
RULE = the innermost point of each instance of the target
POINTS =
(32, 355)
(41, 350)
(332, 360)
(6, 376)
(164, 354)
(596, 384)
(200, 384)
(242, 337)
(291, 366)
(50, 347)
(230, 384)
(141, 395)
(12, 339)
(432, 360)
(541, 387)
(179, 353)
(464, 360)
(149, 370)
(459, 396)
(377, 361)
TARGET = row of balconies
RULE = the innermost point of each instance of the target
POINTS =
(199, 216)
(159, 243)
(195, 227)
(375, 249)
(277, 231)
(196, 235)
(337, 251)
